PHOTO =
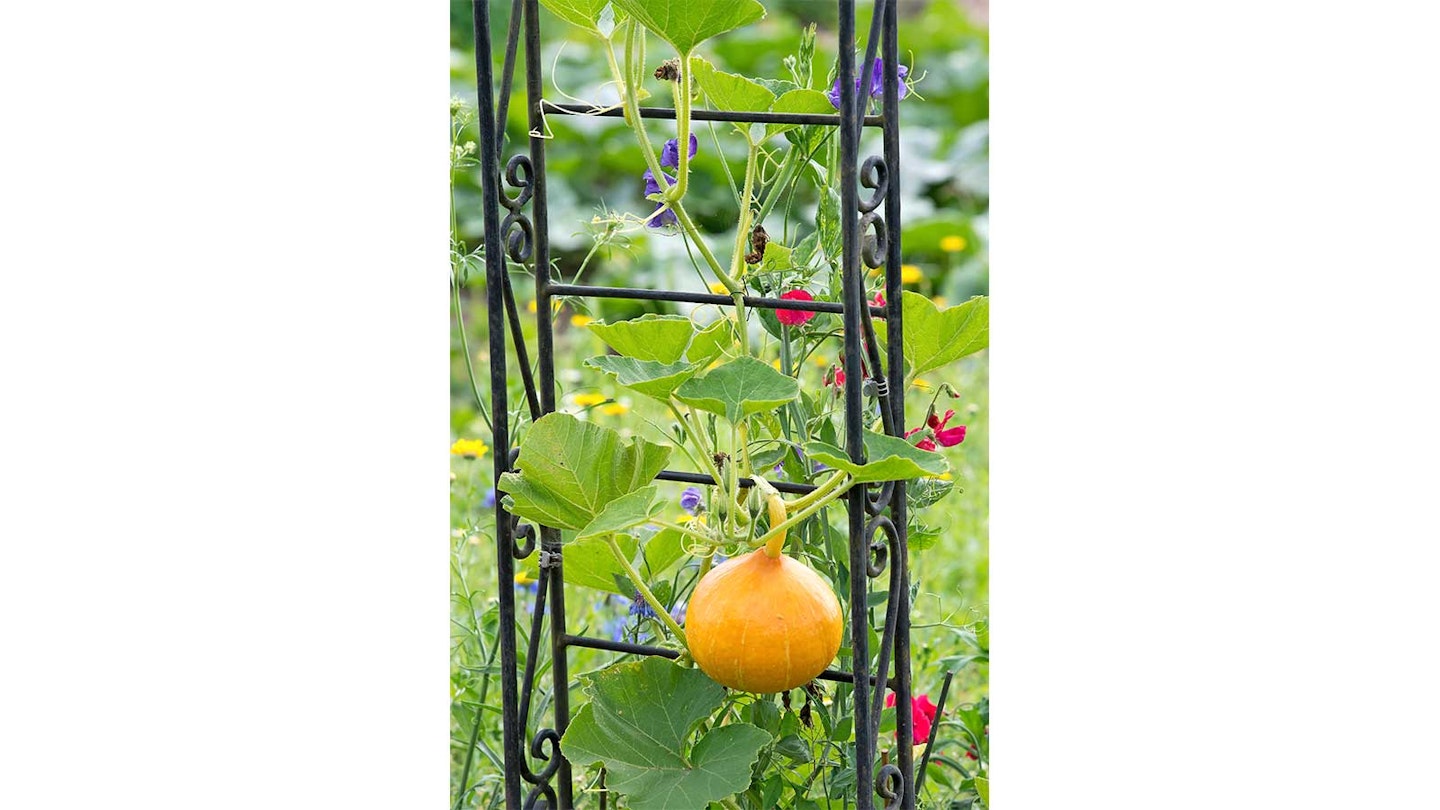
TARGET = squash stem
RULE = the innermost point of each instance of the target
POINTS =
(660, 612)
(776, 505)
(804, 514)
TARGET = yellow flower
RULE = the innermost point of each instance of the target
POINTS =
(586, 400)
(953, 243)
(923, 385)
(469, 448)
(940, 301)
(615, 409)
(945, 476)
(522, 577)
(776, 363)
(581, 321)
(686, 517)
(909, 274)
(819, 361)
(719, 289)
(531, 307)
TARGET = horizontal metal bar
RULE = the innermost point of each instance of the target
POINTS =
(701, 478)
(821, 119)
(646, 649)
(634, 293)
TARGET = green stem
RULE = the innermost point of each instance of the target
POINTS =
(465, 349)
(819, 492)
(707, 455)
(788, 169)
(687, 532)
(681, 89)
(800, 516)
(660, 612)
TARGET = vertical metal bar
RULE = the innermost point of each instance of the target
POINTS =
(895, 349)
(494, 286)
(853, 297)
(512, 41)
(545, 342)
(877, 16)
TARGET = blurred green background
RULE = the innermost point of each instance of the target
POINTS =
(593, 166)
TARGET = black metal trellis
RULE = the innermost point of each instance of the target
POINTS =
(525, 240)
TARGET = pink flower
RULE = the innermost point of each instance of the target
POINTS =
(795, 317)
(922, 716)
(878, 300)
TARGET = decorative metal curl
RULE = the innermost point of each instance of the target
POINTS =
(874, 174)
(522, 534)
(890, 786)
(551, 760)
(880, 498)
(518, 166)
(880, 550)
(519, 237)
(519, 233)
(874, 245)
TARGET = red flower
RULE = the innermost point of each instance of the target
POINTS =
(795, 317)
(947, 437)
(922, 716)
(878, 300)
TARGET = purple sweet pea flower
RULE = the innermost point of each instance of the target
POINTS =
(877, 83)
(670, 154)
(667, 217)
(691, 499)
(652, 186)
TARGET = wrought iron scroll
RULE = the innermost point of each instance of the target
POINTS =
(877, 513)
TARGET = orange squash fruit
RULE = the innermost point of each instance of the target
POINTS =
(763, 623)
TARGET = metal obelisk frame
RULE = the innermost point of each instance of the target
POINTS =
(873, 510)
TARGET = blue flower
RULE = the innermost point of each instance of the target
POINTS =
(691, 499)
(640, 609)
(667, 217)
(670, 155)
(489, 501)
(678, 613)
(669, 159)
(877, 83)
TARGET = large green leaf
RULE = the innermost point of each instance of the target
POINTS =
(660, 338)
(686, 24)
(891, 459)
(591, 563)
(935, 337)
(982, 787)
(739, 388)
(730, 91)
(799, 101)
(624, 513)
(587, 14)
(570, 470)
(637, 723)
(662, 549)
(658, 380)
(710, 342)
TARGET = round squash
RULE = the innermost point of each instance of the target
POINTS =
(763, 624)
